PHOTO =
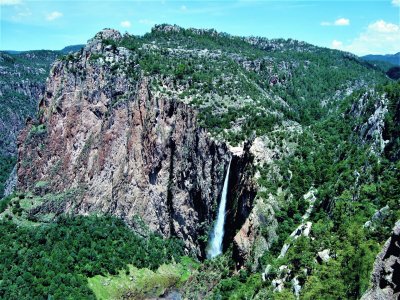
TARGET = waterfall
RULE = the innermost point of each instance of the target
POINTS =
(215, 246)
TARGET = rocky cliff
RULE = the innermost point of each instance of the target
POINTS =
(22, 84)
(386, 274)
(122, 148)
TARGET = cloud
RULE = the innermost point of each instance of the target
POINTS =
(338, 22)
(125, 24)
(396, 2)
(379, 37)
(342, 22)
(10, 2)
(382, 26)
(53, 15)
(337, 44)
(183, 8)
(146, 22)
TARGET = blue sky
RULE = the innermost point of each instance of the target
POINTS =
(360, 27)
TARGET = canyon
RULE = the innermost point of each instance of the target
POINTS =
(283, 154)
(125, 151)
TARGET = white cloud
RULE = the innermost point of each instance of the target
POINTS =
(338, 22)
(382, 26)
(183, 8)
(125, 24)
(53, 15)
(379, 37)
(146, 22)
(396, 2)
(9, 2)
(337, 44)
(342, 22)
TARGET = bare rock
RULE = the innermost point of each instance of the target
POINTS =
(385, 278)
(323, 256)
(109, 34)
(128, 151)
(11, 182)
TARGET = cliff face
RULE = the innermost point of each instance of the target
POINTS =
(120, 149)
(22, 84)
(386, 274)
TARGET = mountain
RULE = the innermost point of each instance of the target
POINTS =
(72, 48)
(393, 59)
(22, 84)
(120, 174)
(65, 50)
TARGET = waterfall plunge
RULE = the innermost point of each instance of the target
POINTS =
(215, 246)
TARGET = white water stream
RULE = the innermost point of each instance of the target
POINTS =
(215, 246)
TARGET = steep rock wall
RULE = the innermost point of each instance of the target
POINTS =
(118, 148)
(385, 276)
(22, 83)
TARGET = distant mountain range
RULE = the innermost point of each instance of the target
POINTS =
(72, 48)
(393, 59)
(65, 50)
(390, 58)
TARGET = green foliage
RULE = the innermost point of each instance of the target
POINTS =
(54, 260)
(392, 121)
(5, 202)
(346, 276)
(352, 184)
(241, 286)
(292, 81)
(234, 101)
(95, 56)
(325, 283)
(207, 277)
(146, 283)
(6, 165)
(37, 129)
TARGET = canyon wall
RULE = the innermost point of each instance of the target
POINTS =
(110, 145)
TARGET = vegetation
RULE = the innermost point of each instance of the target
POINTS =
(7, 163)
(353, 183)
(23, 78)
(140, 283)
(55, 260)
(242, 88)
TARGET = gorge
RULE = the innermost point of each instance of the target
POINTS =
(204, 155)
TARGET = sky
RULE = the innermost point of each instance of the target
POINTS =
(358, 26)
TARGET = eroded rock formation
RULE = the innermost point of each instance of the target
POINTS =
(120, 149)
(386, 273)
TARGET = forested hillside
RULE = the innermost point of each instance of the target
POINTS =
(121, 171)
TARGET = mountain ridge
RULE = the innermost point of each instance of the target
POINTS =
(390, 58)
(143, 127)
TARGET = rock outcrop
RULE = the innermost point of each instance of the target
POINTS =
(372, 130)
(11, 183)
(22, 84)
(121, 149)
(386, 273)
